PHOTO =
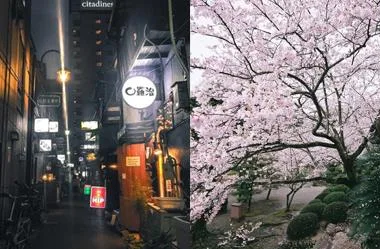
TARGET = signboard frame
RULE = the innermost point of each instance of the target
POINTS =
(45, 145)
(101, 193)
(132, 161)
(49, 100)
(139, 92)
(41, 125)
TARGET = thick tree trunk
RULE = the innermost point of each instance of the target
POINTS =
(350, 171)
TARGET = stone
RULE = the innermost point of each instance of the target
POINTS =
(323, 224)
(324, 242)
(341, 241)
(331, 229)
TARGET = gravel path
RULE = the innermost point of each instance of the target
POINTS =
(303, 196)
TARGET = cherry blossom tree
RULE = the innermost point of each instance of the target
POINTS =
(300, 75)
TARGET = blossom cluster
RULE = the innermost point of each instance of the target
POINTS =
(300, 75)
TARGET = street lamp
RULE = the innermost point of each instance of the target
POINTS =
(63, 75)
(46, 178)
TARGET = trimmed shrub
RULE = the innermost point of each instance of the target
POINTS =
(339, 188)
(303, 225)
(334, 197)
(323, 194)
(315, 208)
(315, 201)
(299, 244)
(335, 212)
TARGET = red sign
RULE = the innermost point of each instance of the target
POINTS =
(98, 197)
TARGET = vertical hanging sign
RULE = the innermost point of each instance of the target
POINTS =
(98, 197)
(87, 189)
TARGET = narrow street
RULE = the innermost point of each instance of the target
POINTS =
(91, 105)
(74, 225)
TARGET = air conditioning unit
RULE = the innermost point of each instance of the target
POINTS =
(181, 98)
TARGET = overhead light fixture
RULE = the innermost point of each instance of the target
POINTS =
(63, 76)
(157, 152)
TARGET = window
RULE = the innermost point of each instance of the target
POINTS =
(76, 32)
(98, 53)
(98, 32)
(98, 42)
(76, 22)
(76, 54)
(76, 43)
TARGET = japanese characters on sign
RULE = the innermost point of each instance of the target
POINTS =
(41, 125)
(53, 126)
(49, 100)
(139, 92)
(89, 125)
(45, 145)
(87, 189)
(61, 158)
(45, 125)
(98, 197)
(132, 161)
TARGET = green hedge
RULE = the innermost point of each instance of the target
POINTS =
(316, 208)
(335, 212)
(302, 226)
(315, 201)
(339, 188)
(323, 194)
(334, 197)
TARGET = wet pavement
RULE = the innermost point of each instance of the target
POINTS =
(74, 225)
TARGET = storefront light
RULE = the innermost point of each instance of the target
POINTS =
(157, 152)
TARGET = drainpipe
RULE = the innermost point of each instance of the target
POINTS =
(171, 27)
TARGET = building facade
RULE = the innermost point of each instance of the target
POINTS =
(90, 57)
(17, 86)
(153, 142)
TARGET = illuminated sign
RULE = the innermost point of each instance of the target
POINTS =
(71, 165)
(61, 158)
(49, 100)
(87, 189)
(139, 92)
(91, 157)
(89, 125)
(41, 125)
(53, 126)
(132, 161)
(80, 159)
(90, 147)
(98, 197)
(96, 4)
(90, 137)
(45, 145)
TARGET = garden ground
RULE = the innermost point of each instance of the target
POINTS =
(270, 212)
